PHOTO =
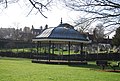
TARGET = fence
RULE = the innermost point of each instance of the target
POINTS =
(74, 57)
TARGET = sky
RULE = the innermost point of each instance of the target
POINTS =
(16, 15)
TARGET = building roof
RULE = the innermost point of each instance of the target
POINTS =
(63, 32)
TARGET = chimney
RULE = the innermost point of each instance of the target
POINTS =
(46, 26)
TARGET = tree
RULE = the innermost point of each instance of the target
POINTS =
(106, 11)
(116, 38)
(82, 24)
(98, 32)
(39, 5)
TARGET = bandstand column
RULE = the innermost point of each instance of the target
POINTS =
(37, 46)
(81, 52)
(40, 47)
(68, 51)
(49, 51)
(37, 49)
(53, 48)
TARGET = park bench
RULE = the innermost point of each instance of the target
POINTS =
(102, 63)
(115, 66)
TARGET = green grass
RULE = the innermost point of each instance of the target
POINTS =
(17, 69)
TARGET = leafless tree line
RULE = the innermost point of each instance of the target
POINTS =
(15, 34)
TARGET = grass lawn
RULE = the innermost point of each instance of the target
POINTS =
(17, 69)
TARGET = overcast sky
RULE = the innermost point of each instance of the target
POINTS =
(17, 14)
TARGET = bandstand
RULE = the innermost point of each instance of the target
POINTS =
(64, 36)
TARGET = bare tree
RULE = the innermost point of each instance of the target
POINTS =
(99, 31)
(39, 5)
(5, 3)
(107, 11)
(83, 24)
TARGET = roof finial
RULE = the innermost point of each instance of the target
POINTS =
(61, 21)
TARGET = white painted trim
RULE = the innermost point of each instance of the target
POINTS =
(61, 40)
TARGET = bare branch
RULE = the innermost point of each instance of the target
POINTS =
(6, 3)
(83, 24)
(30, 11)
(39, 6)
(97, 9)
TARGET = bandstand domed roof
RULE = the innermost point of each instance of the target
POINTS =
(63, 32)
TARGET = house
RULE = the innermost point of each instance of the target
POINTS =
(36, 32)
